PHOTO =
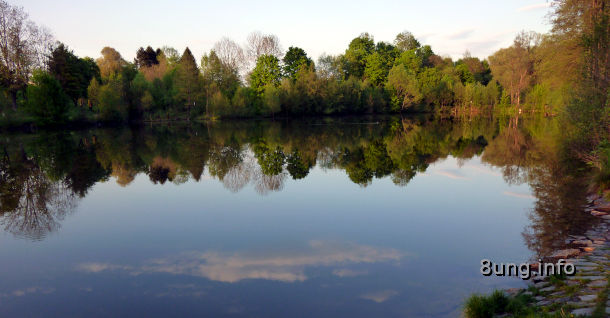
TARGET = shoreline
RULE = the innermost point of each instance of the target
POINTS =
(587, 292)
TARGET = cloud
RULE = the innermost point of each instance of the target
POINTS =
(99, 267)
(380, 296)
(518, 195)
(535, 7)
(30, 290)
(460, 34)
(345, 272)
(451, 175)
(231, 268)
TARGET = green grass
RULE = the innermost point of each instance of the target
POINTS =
(479, 306)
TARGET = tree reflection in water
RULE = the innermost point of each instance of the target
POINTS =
(44, 175)
(32, 204)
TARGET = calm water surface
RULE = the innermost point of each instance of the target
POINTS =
(357, 217)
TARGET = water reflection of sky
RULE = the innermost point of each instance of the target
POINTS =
(322, 246)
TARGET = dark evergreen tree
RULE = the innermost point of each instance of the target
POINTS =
(147, 57)
(73, 73)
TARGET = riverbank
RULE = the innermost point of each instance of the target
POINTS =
(585, 294)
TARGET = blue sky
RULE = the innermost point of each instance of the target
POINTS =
(450, 27)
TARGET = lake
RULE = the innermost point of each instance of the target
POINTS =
(323, 217)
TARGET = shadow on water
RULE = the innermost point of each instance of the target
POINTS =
(43, 176)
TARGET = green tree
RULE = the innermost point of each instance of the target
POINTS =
(410, 60)
(271, 100)
(93, 92)
(111, 100)
(188, 80)
(266, 72)
(224, 76)
(46, 100)
(294, 59)
(376, 69)
(464, 73)
(74, 74)
(404, 88)
(356, 54)
(512, 67)
(380, 62)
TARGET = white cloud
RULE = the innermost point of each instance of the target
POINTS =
(380, 296)
(535, 7)
(234, 267)
(346, 272)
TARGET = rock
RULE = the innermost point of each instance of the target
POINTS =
(544, 303)
(587, 298)
(578, 237)
(588, 249)
(586, 270)
(537, 279)
(539, 298)
(603, 207)
(582, 242)
(565, 253)
(593, 278)
(605, 217)
(582, 312)
(592, 197)
(548, 289)
(598, 213)
(598, 283)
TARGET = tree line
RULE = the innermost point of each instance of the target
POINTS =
(47, 81)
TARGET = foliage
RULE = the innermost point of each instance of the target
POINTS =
(110, 63)
(46, 100)
(111, 100)
(188, 80)
(266, 72)
(295, 59)
(404, 88)
(405, 41)
(356, 54)
(220, 74)
(73, 73)
(147, 57)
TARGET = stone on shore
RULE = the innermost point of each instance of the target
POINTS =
(565, 253)
(582, 312)
(587, 298)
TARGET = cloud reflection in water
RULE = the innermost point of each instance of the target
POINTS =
(231, 268)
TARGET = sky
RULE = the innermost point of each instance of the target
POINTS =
(317, 26)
